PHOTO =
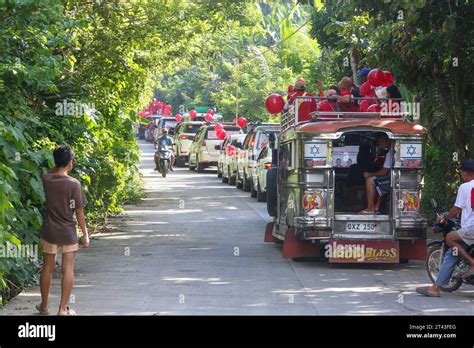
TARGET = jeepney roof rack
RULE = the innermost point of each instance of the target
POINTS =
(289, 117)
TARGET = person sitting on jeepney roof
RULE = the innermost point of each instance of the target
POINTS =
(345, 97)
(305, 107)
(328, 105)
(377, 183)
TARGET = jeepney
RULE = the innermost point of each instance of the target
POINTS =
(316, 211)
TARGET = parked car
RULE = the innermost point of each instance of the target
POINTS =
(256, 139)
(229, 152)
(183, 138)
(259, 175)
(203, 152)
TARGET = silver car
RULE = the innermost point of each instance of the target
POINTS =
(256, 139)
(227, 165)
(203, 152)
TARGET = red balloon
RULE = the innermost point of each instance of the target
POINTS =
(274, 103)
(208, 117)
(178, 117)
(374, 108)
(218, 127)
(210, 111)
(160, 105)
(241, 122)
(364, 105)
(192, 114)
(230, 150)
(366, 89)
(376, 77)
(221, 134)
(388, 78)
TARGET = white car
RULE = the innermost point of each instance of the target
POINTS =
(203, 152)
(264, 162)
(256, 139)
(229, 152)
(183, 138)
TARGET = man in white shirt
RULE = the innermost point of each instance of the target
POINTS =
(456, 239)
(378, 183)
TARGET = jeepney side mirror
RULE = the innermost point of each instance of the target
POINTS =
(434, 203)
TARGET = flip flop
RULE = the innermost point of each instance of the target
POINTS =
(40, 310)
(68, 312)
(424, 291)
(467, 274)
(365, 212)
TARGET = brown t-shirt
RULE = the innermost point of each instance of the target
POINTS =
(63, 195)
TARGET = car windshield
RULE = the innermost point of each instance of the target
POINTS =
(212, 134)
(169, 124)
(190, 128)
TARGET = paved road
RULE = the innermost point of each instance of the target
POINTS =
(195, 246)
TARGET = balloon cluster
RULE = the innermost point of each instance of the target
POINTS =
(376, 78)
(154, 107)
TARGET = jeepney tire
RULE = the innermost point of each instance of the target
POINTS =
(261, 196)
(231, 179)
(404, 261)
(219, 172)
(272, 191)
(436, 248)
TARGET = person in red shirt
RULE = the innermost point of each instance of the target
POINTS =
(328, 105)
(305, 107)
(345, 96)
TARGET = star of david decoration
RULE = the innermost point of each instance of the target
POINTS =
(411, 150)
(314, 150)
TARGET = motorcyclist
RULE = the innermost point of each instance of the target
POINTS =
(457, 240)
(164, 140)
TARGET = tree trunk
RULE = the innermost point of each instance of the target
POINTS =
(458, 133)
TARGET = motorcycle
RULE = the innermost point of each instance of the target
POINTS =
(437, 250)
(164, 152)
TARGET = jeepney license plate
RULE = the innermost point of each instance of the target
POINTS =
(363, 227)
